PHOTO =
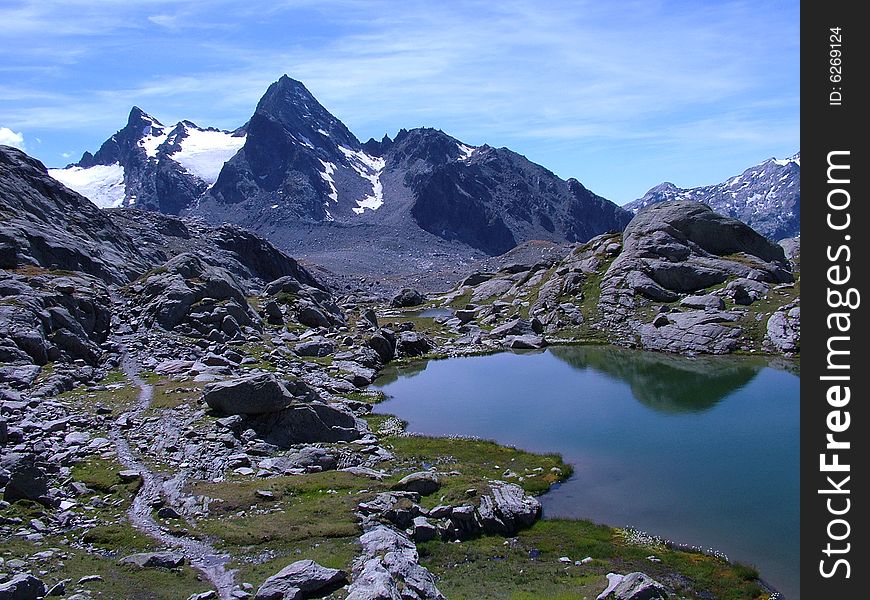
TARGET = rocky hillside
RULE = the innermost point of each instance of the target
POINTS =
(44, 224)
(767, 197)
(296, 175)
(183, 414)
(681, 278)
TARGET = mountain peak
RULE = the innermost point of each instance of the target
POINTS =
(288, 92)
(288, 102)
(139, 118)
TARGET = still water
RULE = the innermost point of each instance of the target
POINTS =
(702, 451)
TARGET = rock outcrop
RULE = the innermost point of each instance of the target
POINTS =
(633, 586)
(43, 224)
(388, 567)
(46, 317)
(681, 248)
(189, 294)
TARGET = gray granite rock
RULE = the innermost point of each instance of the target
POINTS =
(301, 579)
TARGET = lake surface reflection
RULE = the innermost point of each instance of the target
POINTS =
(703, 451)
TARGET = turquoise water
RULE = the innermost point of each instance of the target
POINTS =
(701, 451)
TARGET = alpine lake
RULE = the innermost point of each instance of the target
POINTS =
(699, 451)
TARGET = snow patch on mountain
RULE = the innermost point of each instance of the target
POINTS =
(765, 196)
(204, 152)
(101, 184)
(467, 151)
(791, 159)
(326, 174)
(369, 167)
(152, 136)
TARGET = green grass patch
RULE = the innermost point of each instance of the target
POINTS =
(477, 462)
(367, 396)
(529, 566)
(101, 474)
(334, 553)
(118, 581)
(118, 398)
(169, 394)
(461, 301)
(305, 507)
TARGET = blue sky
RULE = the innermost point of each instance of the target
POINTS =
(621, 95)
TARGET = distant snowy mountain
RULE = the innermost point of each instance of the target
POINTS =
(149, 165)
(295, 174)
(766, 196)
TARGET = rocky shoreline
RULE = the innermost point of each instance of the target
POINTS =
(184, 413)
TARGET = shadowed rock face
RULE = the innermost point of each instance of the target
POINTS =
(497, 198)
(46, 318)
(44, 224)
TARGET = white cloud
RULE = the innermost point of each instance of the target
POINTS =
(11, 138)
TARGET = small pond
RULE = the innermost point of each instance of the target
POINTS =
(702, 451)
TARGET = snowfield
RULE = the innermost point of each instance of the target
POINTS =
(101, 184)
(204, 152)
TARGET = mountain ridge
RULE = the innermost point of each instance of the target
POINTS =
(765, 196)
(295, 166)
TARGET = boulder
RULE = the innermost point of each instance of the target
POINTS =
(424, 483)
(251, 395)
(407, 297)
(22, 587)
(272, 312)
(381, 344)
(410, 343)
(512, 327)
(464, 522)
(312, 316)
(307, 423)
(310, 459)
(525, 342)
(315, 346)
(27, 481)
(476, 279)
(634, 586)
(154, 560)
(507, 508)
(746, 291)
(465, 315)
(373, 582)
(388, 569)
(369, 317)
(301, 579)
(423, 530)
(711, 301)
(356, 373)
